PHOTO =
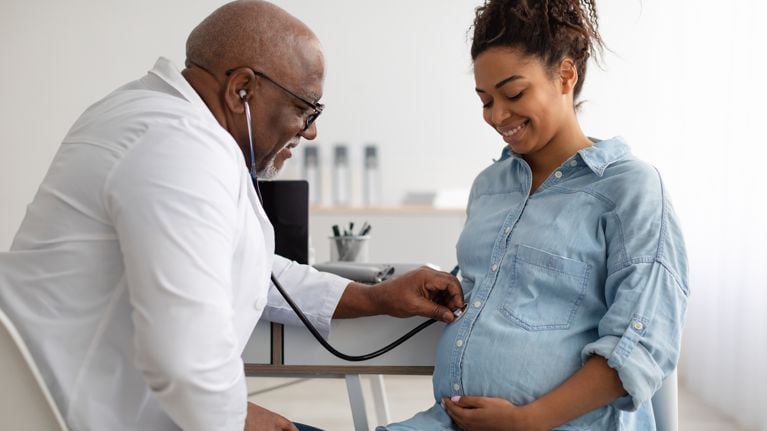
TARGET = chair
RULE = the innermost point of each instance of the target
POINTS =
(666, 406)
(25, 403)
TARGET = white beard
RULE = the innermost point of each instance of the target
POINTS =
(270, 171)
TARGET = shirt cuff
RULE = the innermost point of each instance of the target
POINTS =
(335, 288)
(316, 293)
(640, 375)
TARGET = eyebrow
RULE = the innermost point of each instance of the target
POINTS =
(502, 82)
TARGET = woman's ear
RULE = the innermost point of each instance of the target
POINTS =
(568, 75)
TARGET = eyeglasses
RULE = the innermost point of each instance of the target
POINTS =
(317, 107)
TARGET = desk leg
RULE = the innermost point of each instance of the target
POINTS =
(379, 398)
(357, 402)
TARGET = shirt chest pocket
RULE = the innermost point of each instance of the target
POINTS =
(545, 289)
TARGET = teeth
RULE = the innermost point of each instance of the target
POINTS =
(514, 130)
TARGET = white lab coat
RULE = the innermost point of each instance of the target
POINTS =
(142, 266)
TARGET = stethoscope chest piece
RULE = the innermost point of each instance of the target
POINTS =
(458, 312)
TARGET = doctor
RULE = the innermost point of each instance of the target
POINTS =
(143, 262)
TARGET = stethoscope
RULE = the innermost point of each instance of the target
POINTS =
(295, 307)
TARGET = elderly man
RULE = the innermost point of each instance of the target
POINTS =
(144, 261)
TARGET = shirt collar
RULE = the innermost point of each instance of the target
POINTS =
(597, 157)
(169, 73)
(604, 153)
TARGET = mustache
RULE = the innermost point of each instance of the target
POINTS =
(292, 143)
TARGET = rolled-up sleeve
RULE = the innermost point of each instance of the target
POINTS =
(316, 294)
(640, 334)
(646, 293)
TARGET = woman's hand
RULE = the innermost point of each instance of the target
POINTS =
(593, 386)
(489, 414)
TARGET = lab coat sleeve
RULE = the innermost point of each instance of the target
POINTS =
(316, 293)
(646, 292)
(172, 200)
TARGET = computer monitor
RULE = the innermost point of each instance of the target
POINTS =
(286, 203)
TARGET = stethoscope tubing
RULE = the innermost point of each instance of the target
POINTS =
(312, 329)
(330, 348)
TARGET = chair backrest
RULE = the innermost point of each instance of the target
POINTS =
(665, 404)
(25, 403)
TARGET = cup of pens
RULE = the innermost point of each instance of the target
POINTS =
(348, 246)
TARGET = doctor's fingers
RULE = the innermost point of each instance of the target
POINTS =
(437, 312)
(447, 287)
(261, 419)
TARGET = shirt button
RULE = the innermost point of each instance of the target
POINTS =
(507, 230)
(573, 163)
(459, 343)
(456, 387)
(494, 267)
(638, 326)
(477, 304)
(558, 174)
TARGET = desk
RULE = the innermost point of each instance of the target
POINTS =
(405, 234)
(294, 352)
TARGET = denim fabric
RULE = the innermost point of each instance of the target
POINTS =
(593, 262)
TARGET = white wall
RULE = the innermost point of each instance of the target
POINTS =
(683, 84)
(59, 57)
(399, 75)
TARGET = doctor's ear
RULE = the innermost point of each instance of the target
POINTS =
(239, 89)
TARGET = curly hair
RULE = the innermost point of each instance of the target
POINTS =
(547, 29)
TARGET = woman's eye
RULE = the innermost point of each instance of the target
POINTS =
(515, 97)
(487, 104)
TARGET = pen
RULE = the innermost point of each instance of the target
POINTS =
(365, 230)
(339, 242)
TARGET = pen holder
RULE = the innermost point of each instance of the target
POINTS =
(349, 248)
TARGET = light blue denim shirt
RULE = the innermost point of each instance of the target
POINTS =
(591, 263)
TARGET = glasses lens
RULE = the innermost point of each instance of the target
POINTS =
(310, 119)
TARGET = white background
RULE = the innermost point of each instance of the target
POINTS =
(684, 82)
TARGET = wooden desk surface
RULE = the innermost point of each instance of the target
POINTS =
(253, 370)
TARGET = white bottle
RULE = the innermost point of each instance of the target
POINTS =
(372, 177)
(312, 174)
(341, 176)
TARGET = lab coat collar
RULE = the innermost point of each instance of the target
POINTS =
(170, 74)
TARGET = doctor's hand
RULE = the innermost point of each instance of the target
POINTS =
(421, 292)
(489, 414)
(261, 419)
